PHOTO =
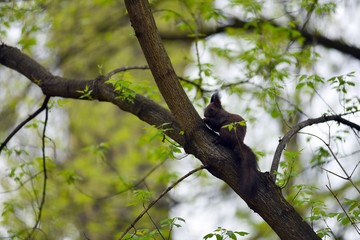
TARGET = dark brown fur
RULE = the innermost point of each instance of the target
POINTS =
(216, 117)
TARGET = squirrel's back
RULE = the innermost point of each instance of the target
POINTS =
(216, 118)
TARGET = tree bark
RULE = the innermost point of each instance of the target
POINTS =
(220, 161)
(55, 86)
(269, 202)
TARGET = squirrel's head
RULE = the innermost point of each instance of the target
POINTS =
(214, 107)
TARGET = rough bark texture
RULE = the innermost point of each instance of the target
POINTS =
(144, 108)
(160, 65)
(268, 203)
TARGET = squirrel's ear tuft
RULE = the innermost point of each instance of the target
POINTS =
(215, 98)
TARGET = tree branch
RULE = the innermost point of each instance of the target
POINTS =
(154, 51)
(144, 108)
(158, 198)
(220, 161)
(42, 108)
(296, 129)
(310, 38)
(122, 69)
(42, 203)
(347, 215)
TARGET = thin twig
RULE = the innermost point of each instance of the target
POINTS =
(347, 215)
(123, 69)
(354, 169)
(153, 222)
(158, 198)
(45, 174)
(333, 173)
(197, 85)
(43, 106)
(348, 177)
(22, 183)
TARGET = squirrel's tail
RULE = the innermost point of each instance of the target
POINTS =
(248, 170)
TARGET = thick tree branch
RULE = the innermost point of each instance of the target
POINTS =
(144, 108)
(269, 202)
(296, 129)
(154, 51)
(220, 161)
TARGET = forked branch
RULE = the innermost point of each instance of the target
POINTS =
(42, 203)
(158, 198)
(297, 128)
(32, 116)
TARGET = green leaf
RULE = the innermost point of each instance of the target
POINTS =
(345, 221)
(70, 176)
(219, 237)
(12, 173)
(310, 85)
(300, 85)
(303, 77)
(275, 113)
(292, 154)
(242, 233)
(210, 235)
(140, 196)
(231, 235)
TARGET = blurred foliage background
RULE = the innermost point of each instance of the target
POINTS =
(268, 59)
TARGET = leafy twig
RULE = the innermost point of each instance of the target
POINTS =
(153, 222)
(158, 198)
(348, 177)
(42, 108)
(22, 184)
(297, 128)
(347, 215)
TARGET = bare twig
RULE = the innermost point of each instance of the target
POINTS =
(123, 69)
(347, 215)
(333, 173)
(352, 173)
(197, 85)
(158, 198)
(348, 177)
(45, 173)
(154, 223)
(43, 106)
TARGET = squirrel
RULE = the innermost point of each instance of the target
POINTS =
(232, 130)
